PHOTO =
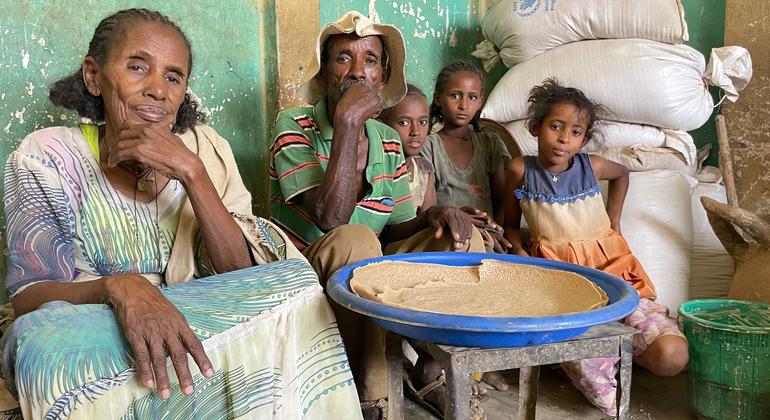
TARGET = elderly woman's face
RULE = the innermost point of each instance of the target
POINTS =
(144, 77)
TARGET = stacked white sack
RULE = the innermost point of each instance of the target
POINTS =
(638, 147)
(524, 29)
(712, 266)
(657, 223)
(639, 81)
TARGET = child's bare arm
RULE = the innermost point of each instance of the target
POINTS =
(617, 174)
(514, 178)
(430, 199)
(497, 184)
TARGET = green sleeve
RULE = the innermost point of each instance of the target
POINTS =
(294, 159)
(403, 209)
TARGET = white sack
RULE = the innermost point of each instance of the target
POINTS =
(616, 135)
(712, 266)
(524, 29)
(657, 223)
(638, 158)
(639, 81)
(730, 69)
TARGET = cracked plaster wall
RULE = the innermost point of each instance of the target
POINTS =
(748, 120)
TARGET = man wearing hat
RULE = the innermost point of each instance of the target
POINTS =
(338, 180)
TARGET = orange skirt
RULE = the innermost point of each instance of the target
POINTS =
(610, 254)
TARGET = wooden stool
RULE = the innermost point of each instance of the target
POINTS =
(607, 340)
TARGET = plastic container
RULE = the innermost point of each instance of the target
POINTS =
(729, 372)
(479, 331)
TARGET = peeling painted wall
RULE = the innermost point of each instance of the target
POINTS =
(748, 120)
(296, 34)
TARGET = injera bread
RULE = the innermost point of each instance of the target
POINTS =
(494, 288)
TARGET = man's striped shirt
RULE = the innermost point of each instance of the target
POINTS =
(302, 142)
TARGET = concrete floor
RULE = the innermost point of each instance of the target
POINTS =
(652, 398)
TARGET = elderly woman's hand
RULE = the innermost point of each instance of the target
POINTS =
(152, 325)
(153, 145)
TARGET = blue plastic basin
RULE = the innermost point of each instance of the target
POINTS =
(478, 331)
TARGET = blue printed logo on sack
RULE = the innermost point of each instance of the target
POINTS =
(525, 8)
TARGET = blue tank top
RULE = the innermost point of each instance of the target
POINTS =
(576, 182)
(569, 208)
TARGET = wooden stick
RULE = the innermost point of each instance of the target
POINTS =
(726, 161)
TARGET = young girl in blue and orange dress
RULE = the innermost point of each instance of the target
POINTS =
(469, 163)
(558, 193)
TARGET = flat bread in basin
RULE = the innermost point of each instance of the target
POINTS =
(494, 288)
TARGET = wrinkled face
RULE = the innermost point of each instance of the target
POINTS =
(144, 76)
(560, 136)
(410, 119)
(460, 100)
(350, 58)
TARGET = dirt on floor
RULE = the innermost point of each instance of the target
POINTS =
(652, 398)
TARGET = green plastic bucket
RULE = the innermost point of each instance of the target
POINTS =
(729, 344)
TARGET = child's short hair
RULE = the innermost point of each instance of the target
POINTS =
(441, 81)
(411, 90)
(543, 97)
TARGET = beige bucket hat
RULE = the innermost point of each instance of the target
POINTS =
(394, 90)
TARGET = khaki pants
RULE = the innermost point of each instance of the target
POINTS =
(364, 340)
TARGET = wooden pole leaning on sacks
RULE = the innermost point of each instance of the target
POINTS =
(744, 234)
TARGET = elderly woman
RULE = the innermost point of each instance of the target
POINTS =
(112, 213)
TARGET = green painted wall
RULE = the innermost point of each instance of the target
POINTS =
(233, 70)
(706, 24)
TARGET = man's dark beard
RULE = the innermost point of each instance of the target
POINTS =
(348, 83)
